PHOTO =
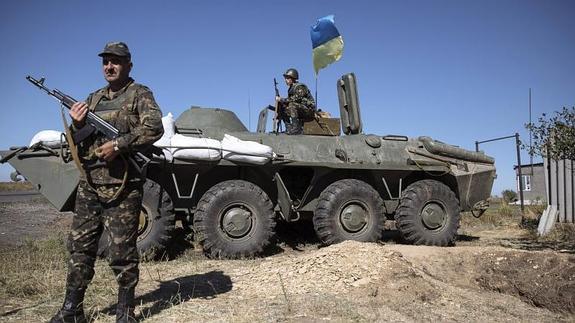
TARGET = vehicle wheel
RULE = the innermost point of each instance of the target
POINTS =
(234, 219)
(349, 209)
(428, 214)
(157, 219)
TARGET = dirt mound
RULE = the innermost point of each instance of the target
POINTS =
(374, 282)
(335, 269)
(541, 278)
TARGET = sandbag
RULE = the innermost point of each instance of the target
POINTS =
(49, 138)
(169, 125)
(193, 148)
(237, 150)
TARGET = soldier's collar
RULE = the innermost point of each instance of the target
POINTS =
(120, 91)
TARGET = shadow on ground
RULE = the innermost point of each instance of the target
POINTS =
(177, 291)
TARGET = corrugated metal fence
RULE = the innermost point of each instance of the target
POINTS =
(560, 183)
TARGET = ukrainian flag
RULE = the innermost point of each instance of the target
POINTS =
(326, 41)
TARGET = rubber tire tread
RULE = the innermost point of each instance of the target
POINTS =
(206, 222)
(162, 221)
(325, 220)
(408, 220)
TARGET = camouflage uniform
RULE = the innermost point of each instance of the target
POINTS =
(300, 103)
(120, 220)
(134, 112)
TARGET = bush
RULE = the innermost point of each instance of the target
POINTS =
(509, 196)
(554, 137)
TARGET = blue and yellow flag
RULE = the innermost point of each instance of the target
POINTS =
(326, 42)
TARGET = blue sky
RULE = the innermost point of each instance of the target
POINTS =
(458, 71)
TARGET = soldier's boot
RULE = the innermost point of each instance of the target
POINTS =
(294, 127)
(125, 307)
(289, 128)
(286, 122)
(72, 310)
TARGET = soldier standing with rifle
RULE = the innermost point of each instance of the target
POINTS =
(298, 107)
(110, 191)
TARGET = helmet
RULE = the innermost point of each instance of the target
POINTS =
(292, 72)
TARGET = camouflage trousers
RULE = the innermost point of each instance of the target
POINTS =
(299, 111)
(94, 217)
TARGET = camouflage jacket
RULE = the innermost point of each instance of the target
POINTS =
(134, 112)
(300, 94)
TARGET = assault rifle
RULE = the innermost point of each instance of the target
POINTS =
(94, 124)
(277, 109)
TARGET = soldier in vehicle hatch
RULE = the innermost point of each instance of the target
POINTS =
(299, 106)
(110, 190)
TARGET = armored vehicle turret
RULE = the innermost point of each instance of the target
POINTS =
(347, 184)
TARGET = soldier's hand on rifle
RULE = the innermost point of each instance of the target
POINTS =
(107, 151)
(78, 113)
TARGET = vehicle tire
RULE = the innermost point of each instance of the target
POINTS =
(349, 209)
(234, 219)
(428, 214)
(157, 222)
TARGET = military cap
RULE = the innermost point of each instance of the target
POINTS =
(116, 48)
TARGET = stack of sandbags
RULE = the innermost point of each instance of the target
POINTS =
(178, 146)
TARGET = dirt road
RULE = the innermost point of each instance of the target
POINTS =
(486, 277)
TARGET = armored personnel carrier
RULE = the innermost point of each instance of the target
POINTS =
(348, 184)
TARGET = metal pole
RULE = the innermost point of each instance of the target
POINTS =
(518, 145)
(500, 138)
(316, 103)
(530, 135)
(477, 146)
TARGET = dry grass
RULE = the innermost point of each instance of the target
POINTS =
(498, 214)
(32, 276)
(502, 219)
(32, 282)
(15, 186)
(29, 271)
(562, 232)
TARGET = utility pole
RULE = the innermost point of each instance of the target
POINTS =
(518, 145)
(530, 135)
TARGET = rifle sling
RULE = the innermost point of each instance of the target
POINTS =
(72, 146)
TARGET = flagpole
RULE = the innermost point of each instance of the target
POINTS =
(316, 103)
